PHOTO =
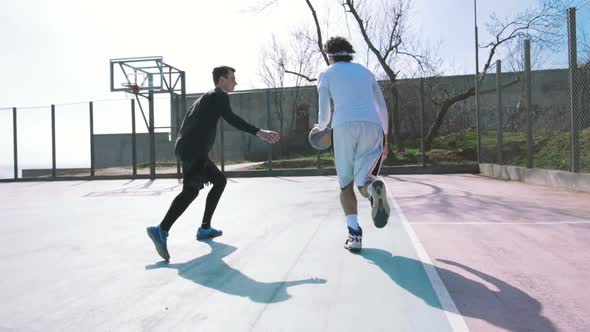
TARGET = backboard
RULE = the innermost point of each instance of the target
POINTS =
(137, 74)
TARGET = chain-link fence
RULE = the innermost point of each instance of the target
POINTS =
(7, 147)
(433, 129)
(107, 138)
(540, 115)
(110, 138)
(289, 111)
(582, 87)
(35, 141)
(532, 113)
(293, 111)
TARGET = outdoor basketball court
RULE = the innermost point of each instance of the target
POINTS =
(460, 253)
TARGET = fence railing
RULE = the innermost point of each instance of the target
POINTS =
(110, 139)
(542, 120)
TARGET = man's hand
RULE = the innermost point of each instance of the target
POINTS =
(268, 136)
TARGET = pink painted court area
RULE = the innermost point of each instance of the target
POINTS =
(460, 253)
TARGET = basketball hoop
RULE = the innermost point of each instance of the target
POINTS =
(134, 88)
(142, 74)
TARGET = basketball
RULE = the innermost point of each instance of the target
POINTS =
(320, 139)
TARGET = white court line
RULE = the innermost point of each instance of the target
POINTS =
(448, 306)
(500, 223)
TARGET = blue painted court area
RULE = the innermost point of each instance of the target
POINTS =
(76, 258)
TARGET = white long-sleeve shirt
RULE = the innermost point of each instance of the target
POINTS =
(356, 94)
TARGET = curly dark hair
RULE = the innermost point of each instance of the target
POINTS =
(338, 45)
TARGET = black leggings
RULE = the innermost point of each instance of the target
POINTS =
(190, 192)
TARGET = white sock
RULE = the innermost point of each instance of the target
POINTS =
(353, 222)
(370, 189)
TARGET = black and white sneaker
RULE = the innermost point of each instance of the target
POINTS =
(354, 242)
(379, 204)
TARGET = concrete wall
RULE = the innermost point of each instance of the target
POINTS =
(293, 111)
(550, 93)
(543, 177)
(113, 150)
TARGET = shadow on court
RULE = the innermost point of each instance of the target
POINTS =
(135, 190)
(505, 306)
(212, 272)
(496, 207)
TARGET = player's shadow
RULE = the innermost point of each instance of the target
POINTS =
(212, 272)
(135, 190)
(506, 306)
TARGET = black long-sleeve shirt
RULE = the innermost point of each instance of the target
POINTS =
(199, 127)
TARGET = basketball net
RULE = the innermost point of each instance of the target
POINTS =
(133, 87)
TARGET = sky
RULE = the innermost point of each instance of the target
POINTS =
(58, 51)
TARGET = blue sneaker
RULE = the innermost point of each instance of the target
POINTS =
(203, 234)
(159, 237)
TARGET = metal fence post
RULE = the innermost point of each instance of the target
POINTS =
(133, 139)
(317, 108)
(181, 113)
(422, 152)
(91, 111)
(529, 103)
(15, 143)
(500, 112)
(177, 106)
(268, 125)
(53, 152)
(318, 159)
(574, 105)
(152, 133)
(477, 84)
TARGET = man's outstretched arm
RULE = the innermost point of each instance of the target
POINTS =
(237, 122)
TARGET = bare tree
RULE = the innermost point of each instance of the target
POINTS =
(584, 78)
(319, 42)
(260, 6)
(307, 50)
(273, 63)
(306, 36)
(272, 72)
(584, 49)
(384, 30)
(536, 24)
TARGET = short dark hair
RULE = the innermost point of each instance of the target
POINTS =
(339, 45)
(221, 71)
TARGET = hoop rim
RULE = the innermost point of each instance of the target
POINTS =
(132, 86)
